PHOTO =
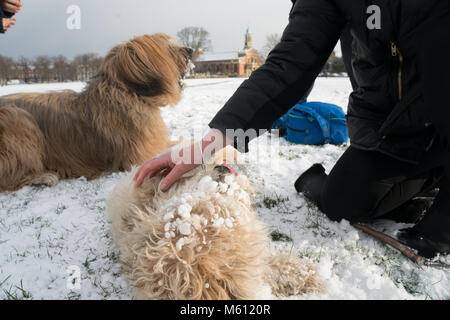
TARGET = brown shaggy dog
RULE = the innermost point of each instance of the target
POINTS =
(200, 240)
(113, 124)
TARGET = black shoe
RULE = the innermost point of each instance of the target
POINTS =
(311, 182)
(426, 247)
(428, 194)
(410, 212)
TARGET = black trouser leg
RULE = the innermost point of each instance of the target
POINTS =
(364, 185)
(436, 224)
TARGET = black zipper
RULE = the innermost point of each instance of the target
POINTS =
(394, 7)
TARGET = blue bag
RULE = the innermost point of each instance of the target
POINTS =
(314, 123)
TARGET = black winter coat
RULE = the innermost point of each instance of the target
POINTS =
(4, 14)
(388, 111)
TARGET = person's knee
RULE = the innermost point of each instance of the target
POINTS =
(338, 204)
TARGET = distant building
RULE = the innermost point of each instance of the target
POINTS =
(26, 74)
(231, 64)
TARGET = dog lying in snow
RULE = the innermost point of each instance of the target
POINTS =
(200, 240)
(115, 123)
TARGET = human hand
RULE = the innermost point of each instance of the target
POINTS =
(172, 164)
(176, 163)
(12, 6)
(8, 23)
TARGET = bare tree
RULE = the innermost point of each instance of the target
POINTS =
(24, 69)
(46, 69)
(334, 65)
(196, 38)
(61, 68)
(86, 66)
(42, 68)
(7, 67)
(271, 41)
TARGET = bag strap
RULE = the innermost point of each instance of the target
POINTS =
(323, 123)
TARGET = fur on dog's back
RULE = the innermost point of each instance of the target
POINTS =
(200, 240)
(84, 135)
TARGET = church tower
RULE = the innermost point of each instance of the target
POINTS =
(248, 40)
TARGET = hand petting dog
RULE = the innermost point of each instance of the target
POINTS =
(173, 169)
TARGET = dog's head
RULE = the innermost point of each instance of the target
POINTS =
(149, 66)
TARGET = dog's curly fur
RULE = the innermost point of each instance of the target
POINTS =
(113, 124)
(200, 240)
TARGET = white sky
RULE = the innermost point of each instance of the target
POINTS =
(41, 26)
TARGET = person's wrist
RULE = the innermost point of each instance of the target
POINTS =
(211, 143)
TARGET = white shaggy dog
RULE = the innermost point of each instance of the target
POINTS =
(200, 240)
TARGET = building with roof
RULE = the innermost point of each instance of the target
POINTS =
(239, 63)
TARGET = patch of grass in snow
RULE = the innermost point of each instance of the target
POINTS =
(15, 292)
(3, 225)
(411, 282)
(316, 221)
(312, 256)
(107, 290)
(289, 156)
(72, 295)
(87, 265)
(22, 254)
(278, 236)
(276, 201)
(428, 296)
(390, 261)
(4, 280)
(112, 256)
(60, 209)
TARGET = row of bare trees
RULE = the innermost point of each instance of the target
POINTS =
(49, 69)
(84, 67)
(334, 65)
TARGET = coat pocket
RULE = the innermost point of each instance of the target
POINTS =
(408, 116)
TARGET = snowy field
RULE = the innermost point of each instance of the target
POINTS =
(47, 233)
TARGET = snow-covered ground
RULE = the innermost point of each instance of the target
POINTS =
(47, 234)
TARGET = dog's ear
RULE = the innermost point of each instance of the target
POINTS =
(124, 66)
(146, 66)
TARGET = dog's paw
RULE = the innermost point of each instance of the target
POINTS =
(289, 276)
(48, 179)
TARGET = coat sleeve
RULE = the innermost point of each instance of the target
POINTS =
(4, 14)
(290, 70)
(8, 14)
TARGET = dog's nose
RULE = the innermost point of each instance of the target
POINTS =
(189, 52)
(225, 169)
(222, 169)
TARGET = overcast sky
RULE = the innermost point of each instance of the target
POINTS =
(41, 25)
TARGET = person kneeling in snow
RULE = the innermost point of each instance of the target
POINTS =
(397, 116)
